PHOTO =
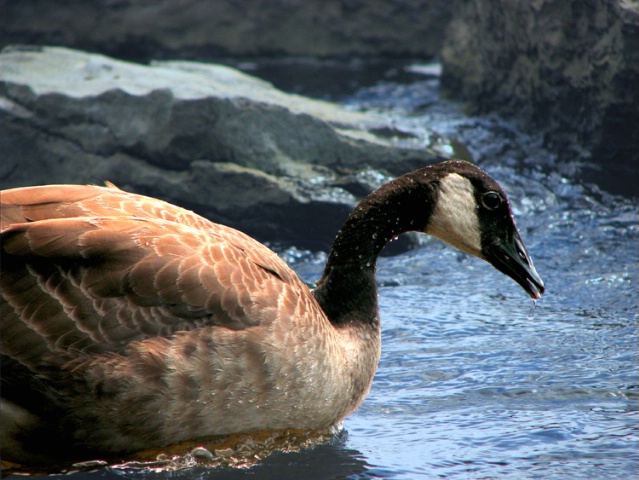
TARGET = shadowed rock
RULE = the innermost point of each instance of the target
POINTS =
(205, 28)
(569, 69)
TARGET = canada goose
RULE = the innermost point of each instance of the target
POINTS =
(130, 323)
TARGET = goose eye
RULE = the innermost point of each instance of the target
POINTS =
(491, 200)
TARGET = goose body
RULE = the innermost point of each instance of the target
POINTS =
(129, 323)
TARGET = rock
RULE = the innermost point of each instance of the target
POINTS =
(90, 465)
(202, 455)
(281, 167)
(205, 29)
(570, 69)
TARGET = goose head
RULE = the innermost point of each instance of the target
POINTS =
(454, 201)
(472, 213)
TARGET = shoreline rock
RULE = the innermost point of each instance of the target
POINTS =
(281, 167)
(567, 69)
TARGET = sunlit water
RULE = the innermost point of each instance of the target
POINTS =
(470, 386)
(474, 383)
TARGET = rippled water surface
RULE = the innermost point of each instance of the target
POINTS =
(475, 381)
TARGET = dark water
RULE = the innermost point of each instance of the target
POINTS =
(475, 382)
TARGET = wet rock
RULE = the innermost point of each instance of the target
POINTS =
(205, 28)
(90, 464)
(224, 452)
(202, 455)
(568, 68)
(207, 137)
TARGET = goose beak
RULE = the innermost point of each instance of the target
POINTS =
(512, 259)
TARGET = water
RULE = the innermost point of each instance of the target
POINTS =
(471, 384)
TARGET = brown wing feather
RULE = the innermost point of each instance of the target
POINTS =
(90, 269)
(31, 204)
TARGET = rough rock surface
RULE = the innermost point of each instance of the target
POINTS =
(203, 29)
(568, 68)
(229, 146)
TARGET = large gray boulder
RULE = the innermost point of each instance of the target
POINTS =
(568, 68)
(279, 166)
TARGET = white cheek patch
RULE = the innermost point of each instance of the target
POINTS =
(454, 218)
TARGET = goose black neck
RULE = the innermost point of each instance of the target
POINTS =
(347, 291)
